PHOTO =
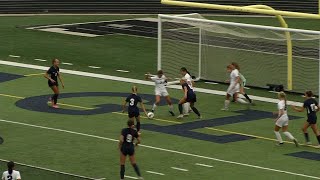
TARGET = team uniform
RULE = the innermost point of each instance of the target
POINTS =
(188, 79)
(53, 72)
(127, 147)
(133, 110)
(160, 85)
(311, 106)
(191, 95)
(13, 176)
(234, 87)
(284, 119)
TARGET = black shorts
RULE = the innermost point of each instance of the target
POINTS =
(51, 84)
(312, 120)
(132, 114)
(191, 97)
(127, 151)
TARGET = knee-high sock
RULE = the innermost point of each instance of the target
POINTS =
(138, 126)
(170, 107)
(122, 170)
(278, 136)
(306, 135)
(55, 98)
(242, 101)
(136, 169)
(154, 106)
(318, 137)
(247, 97)
(180, 108)
(289, 135)
(226, 104)
(195, 110)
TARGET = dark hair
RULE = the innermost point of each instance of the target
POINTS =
(130, 123)
(185, 70)
(10, 167)
(160, 72)
(309, 93)
(236, 65)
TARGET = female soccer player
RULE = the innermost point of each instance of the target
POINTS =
(312, 107)
(53, 74)
(133, 110)
(160, 90)
(189, 96)
(189, 80)
(126, 147)
(242, 82)
(11, 174)
(282, 120)
(234, 87)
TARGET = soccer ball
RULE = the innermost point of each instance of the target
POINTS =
(150, 115)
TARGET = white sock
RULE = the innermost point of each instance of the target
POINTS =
(170, 108)
(154, 106)
(226, 104)
(289, 135)
(241, 101)
(278, 136)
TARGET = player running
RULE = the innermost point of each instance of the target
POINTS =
(234, 87)
(126, 147)
(188, 78)
(312, 107)
(133, 110)
(11, 174)
(160, 90)
(242, 82)
(53, 74)
(282, 120)
(190, 97)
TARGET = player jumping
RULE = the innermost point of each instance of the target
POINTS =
(160, 90)
(312, 107)
(53, 74)
(282, 120)
(126, 147)
(189, 96)
(133, 110)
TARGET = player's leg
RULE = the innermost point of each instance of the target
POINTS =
(194, 109)
(278, 135)
(54, 98)
(138, 123)
(244, 93)
(236, 95)
(227, 102)
(134, 165)
(316, 132)
(289, 135)
(305, 132)
(122, 165)
(169, 102)
(156, 103)
(181, 102)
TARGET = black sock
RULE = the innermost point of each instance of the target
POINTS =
(306, 135)
(318, 137)
(195, 110)
(247, 97)
(122, 170)
(180, 108)
(55, 98)
(138, 126)
(136, 169)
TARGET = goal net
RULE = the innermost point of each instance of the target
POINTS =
(205, 47)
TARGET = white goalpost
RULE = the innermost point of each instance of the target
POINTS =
(205, 47)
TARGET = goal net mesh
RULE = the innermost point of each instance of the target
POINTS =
(205, 48)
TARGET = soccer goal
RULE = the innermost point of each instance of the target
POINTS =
(266, 55)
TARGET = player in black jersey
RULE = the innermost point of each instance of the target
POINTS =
(133, 110)
(126, 147)
(189, 96)
(53, 74)
(312, 107)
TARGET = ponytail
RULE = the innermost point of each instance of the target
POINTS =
(10, 167)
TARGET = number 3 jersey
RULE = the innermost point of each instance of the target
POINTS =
(311, 106)
(13, 176)
(133, 101)
(129, 135)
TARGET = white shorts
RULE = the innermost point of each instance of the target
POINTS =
(231, 91)
(283, 121)
(162, 92)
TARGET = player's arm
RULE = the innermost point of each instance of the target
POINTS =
(185, 89)
(124, 105)
(61, 80)
(121, 139)
(148, 76)
(298, 109)
(143, 108)
(46, 75)
(138, 141)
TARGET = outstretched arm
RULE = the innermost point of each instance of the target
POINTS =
(60, 78)
(298, 109)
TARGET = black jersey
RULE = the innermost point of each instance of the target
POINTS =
(129, 135)
(54, 72)
(310, 105)
(133, 101)
(191, 96)
(189, 89)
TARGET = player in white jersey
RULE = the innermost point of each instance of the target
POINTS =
(189, 80)
(160, 81)
(282, 120)
(242, 82)
(11, 174)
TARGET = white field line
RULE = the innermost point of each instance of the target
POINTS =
(157, 173)
(179, 169)
(124, 71)
(42, 60)
(211, 83)
(130, 177)
(166, 150)
(14, 56)
(137, 81)
(50, 170)
(94, 67)
(203, 165)
(65, 63)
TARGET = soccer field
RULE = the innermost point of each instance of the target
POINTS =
(79, 140)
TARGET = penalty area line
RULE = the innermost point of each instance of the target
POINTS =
(166, 150)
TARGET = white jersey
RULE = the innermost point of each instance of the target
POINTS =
(188, 79)
(233, 76)
(284, 119)
(160, 82)
(282, 105)
(14, 176)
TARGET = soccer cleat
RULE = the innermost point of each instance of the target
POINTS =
(186, 114)
(141, 178)
(199, 117)
(317, 147)
(225, 109)
(309, 143)
(280, 144)
(55, 106)
(180, 116)
(172, 113)
(152, 111)
(296, 142)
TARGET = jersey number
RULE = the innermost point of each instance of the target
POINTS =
(131, 102)
(129, 138)
(9, 177)
(312, 107)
